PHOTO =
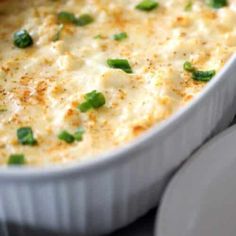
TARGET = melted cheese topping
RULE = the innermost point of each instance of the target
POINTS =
(41, 86)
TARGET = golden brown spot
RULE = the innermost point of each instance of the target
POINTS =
(24, 96)
(118, 18)
(138, 129)
(40, 91)
(210, 15)
(181, 21)
(24, 80)
(75, 104)
(92, 116)
(188, 97)
(57, 90)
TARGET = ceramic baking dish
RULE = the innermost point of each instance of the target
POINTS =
(102, 195)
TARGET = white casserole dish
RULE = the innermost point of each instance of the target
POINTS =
(99, 196)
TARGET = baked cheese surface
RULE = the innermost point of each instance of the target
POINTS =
(43, 85)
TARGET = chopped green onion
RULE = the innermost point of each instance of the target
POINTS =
(25, 136)
(70, 138)
(120, 64)
(22, 39)
(85, 106)
(120, 36)
(57, 36)
(188, 6)
(188, 66)
(199, 75)
(84, 20)
(147, 5)
(217, 3)
(78, 135)
(16, 159)
(204, 75)
(67, 17)
(66, 136)
(94, 100)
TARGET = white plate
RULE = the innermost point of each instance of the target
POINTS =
(201, 199)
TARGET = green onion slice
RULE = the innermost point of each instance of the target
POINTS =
(94, 100)
(84, 20)
(217, 3)
(122, 64)
(147, 5)
(199, 75)
(25, 136)
(16, 159)
(188, 6)
(22, 39)
(85, 106)
(68, 17)
(120, 36)
(188, 66)
(66, 136)
(70, 138)
(78, 135)
(203, 75)
(57, 36)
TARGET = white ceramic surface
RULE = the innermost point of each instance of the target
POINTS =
(99, 196)
(201, 199)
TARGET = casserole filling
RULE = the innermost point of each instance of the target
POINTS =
(81, 77)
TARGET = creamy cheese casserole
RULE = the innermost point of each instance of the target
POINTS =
(82, 77)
